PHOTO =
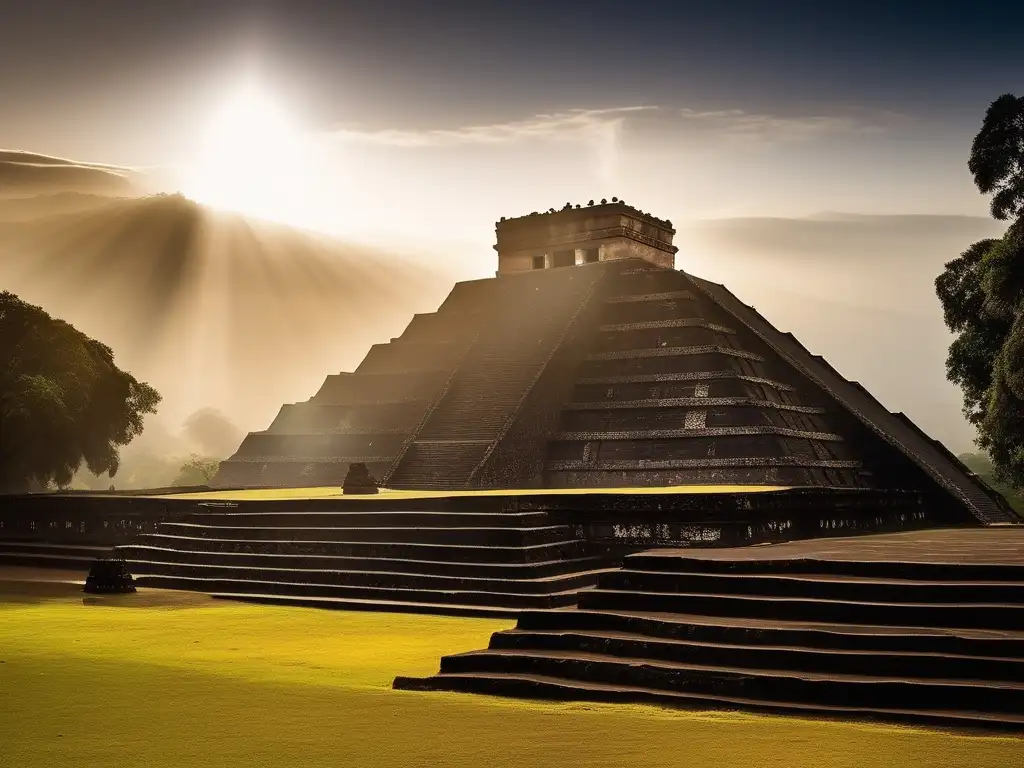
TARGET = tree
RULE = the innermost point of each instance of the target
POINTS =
(982, 295)
(198, 470)
(997, 156)
(62, 400)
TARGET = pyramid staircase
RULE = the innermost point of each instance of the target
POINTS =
(435, 560)
(531, 313)
(894, 641)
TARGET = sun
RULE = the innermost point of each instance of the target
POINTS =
(254, 159)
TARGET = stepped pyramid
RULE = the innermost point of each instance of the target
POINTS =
(589, 361)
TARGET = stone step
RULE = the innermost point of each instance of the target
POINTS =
(852, 610)
(456, 553)
(515, 570)
(369, 519)
(425, 463)
(478, 536)
(770, 685)
(359, 578)
(918, 663)
(560, 689)
(485, 598)
(889, 569)
(818, 586)
(773, 632)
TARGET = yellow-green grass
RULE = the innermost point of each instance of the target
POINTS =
(185, 681)
(329, 492)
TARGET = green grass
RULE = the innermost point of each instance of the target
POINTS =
(285, 494)
(184, 681)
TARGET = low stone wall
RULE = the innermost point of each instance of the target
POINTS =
(83, 519)
(631, 522)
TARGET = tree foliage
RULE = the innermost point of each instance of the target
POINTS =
(198, 470)
(62, 400)
(982, 295)
(997, 156)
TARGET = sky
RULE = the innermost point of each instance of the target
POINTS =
(414, 126)
(689, 109)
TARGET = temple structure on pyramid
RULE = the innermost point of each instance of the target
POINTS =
(590, 361)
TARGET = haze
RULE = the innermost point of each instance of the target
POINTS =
(813, 158)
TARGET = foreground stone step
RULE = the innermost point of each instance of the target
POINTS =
(769, 685)
(456, 553)
(919, 663)
(360, 578)
(818, 586)
(852, 610)
(559, 689)
(304, 590)
(421, 535)
(511, 570)
(772, 632)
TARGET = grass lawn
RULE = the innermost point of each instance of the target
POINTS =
(170, 679)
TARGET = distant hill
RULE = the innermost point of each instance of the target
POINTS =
(213, 309)
(23, 174)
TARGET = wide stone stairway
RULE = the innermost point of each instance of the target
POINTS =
(443, 559)
(939, 643)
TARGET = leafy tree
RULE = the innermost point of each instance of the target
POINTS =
(62, 400)
(982, 295)
(198, 470)
(997, 156)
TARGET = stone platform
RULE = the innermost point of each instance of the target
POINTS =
(924, 627)
(478, 552)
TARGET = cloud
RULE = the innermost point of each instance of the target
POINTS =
(597, 129)
(29, 173)
(571, 124)
(738, 124)
(857, 239)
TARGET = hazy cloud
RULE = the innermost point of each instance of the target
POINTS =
(598, 129)
(898, 240)
(576, 123)
(738, 124)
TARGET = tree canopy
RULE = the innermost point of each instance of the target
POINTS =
(62, 400)
(198, 470)
(982, 295)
